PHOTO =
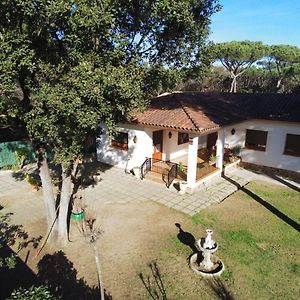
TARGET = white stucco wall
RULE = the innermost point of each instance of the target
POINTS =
(173, 150)
(273, 156)
(136, 153)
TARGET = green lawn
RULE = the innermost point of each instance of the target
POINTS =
(260, 250)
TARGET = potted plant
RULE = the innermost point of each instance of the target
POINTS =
(180, 167)
(97, 177)
(77, 212)
(236, 150)
(212, 159)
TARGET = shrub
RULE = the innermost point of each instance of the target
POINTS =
(34, 293)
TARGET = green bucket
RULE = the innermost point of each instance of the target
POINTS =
(77, 216)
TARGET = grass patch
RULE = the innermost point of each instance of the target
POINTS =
(206, 220)
(295, 268)
(260, 250)
(239, 236)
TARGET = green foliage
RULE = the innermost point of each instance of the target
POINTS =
(236, 57)
(212, 158)
(237, 150)
(33, 293)
(283, 64)
(239, 54)
(8, 262)
(65, 68)
(21, 156)
(258, 68)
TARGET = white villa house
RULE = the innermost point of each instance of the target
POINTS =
(194, 136)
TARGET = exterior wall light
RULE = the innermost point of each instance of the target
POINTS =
(170, 134)
(232, 131)
(135, 139)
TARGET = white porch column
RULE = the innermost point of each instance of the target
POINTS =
(220, 149)
(192, 161)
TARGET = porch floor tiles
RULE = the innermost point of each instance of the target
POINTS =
(118, 187)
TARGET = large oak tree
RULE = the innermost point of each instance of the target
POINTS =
(67, 65)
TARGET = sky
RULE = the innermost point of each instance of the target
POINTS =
(271, 21)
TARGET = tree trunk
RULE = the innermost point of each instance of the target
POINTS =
(48, 194)
(233, 85)
(65, 197)
(278, 83)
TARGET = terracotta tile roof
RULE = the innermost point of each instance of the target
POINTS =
(195, 111)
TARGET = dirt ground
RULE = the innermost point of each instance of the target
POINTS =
(137, 242)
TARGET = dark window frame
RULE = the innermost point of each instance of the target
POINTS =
(117, 141)
(288, 148)
(256, 139)
(183, 138)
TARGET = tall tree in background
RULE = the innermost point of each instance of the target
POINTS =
(65, 67)
(237, 57)
(282, 64)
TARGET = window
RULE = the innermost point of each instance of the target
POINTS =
(183, 138)
(292, 145)
(120, 141)
(256, 139)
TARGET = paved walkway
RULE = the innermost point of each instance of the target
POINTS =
(116, 187)
(119, 188)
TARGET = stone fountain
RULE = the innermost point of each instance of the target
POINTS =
(205, 262)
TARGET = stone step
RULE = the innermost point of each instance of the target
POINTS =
(156, 177)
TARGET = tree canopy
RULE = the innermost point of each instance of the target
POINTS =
(283, 62)
(236, 57)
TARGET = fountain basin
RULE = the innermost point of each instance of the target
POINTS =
(196, 264)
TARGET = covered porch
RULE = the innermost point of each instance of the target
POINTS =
(188, 135)
(203, 156)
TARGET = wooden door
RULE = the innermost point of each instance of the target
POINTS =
(157, 144)
(211, 140)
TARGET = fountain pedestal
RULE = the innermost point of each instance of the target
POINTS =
(205, 262)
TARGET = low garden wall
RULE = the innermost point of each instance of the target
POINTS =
(271, 171)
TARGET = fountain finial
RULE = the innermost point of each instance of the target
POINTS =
(209, 243)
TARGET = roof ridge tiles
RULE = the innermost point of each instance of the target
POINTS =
(186, 112)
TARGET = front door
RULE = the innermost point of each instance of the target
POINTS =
(157, 144)
(211, 140)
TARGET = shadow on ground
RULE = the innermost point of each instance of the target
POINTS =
(186, 238)
(58, 273)
(54, 270)
(85, 174)
(153, 283)
(220, 288)
(16, 273)
(265, 204)
(285, 182)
